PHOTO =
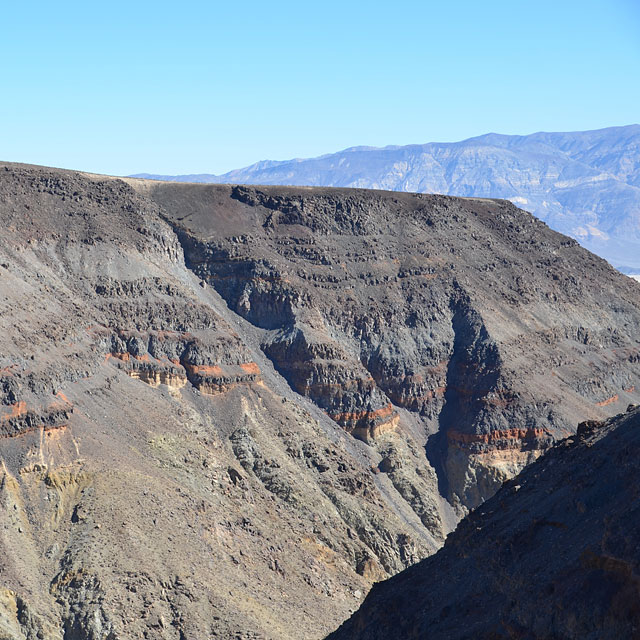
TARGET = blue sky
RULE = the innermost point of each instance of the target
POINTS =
(207, 87)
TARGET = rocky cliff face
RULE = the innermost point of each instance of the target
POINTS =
(582, 183)
(227, 411)
(496, 334)
(159, 478)
(553, 555)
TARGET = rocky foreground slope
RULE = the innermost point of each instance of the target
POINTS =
(553, 555)
(227, 411)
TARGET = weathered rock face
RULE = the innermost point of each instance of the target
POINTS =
(553, 555)
(583, 183)
(211, 365)
(496, 333)
(240, 445)
(158, 477)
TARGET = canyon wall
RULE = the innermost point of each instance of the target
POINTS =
(228, 411)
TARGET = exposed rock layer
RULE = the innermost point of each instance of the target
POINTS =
(553, 555)
(158, 478)
(498, 333)
(250, 426)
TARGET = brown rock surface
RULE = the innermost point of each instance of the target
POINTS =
(182, 460)
(553, 555)
(158, 478)
(497, 333)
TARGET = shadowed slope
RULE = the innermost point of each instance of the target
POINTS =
(554, 554)
(214, 401)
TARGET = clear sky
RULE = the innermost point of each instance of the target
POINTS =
(159, 87)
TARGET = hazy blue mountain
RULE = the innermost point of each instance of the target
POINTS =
(585, 184)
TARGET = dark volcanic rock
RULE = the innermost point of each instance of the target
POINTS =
(245, 459)
(497, 333)
(553, 555)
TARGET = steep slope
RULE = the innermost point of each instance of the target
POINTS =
(158, 478)
(585, 184)
(553, 555)
(497, 334)
(216, 400)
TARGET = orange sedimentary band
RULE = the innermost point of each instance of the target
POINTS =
(204, 369)
(63, 397)
(19, 409)
(15, 411)
(610, 400)
(496, 436)
(630, 389)
(125, 357)
(7, 371)
(217, 371)
(45, 428)
(354, 416)
(154, 378)
(371, 433)
(250, 367)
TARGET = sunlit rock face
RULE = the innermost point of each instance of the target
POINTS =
(487, 327)
(245, 405)
(157, 473)
(557, 530)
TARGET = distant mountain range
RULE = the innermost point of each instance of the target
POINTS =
(585, 184)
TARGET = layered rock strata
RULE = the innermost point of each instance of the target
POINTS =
(264, 395)
(553, 555)
(498, 334)
(18, 419)
(158, 478)
(176, 359)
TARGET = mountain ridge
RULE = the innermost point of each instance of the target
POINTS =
(584, 184)
(229, 410)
